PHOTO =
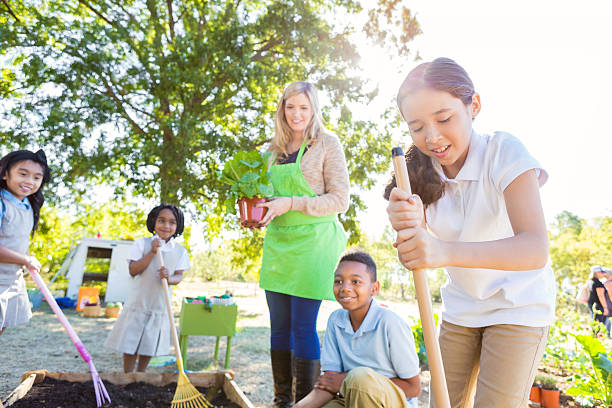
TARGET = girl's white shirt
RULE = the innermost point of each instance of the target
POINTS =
(138, 247)
(473, 209)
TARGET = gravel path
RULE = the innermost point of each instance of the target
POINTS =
(44, 344)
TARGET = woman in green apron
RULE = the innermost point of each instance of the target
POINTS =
(304, 238)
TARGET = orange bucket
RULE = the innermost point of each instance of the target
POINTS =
(84, 295)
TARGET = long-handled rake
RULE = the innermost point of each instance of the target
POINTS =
(102, 397)
(186, 395)
(432, 347)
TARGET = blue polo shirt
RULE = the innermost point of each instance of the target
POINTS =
(6, 195)
(383, 342)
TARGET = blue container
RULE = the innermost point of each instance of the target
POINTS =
(35, 297)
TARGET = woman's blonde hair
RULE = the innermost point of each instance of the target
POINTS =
(282, 132)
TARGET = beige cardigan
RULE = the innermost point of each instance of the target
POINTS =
(325, 171)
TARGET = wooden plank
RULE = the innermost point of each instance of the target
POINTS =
(235, 394)
(21, 390)
(222, 378)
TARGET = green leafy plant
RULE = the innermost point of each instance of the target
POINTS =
(419, 340)
(593, 381)
(547, 382)
(247, 174)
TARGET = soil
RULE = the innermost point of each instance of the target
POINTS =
(53, 393)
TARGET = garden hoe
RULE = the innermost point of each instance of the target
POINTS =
(102, 397)
(186, 395)
(432, 347)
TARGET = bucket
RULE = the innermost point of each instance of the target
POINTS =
(84, 294)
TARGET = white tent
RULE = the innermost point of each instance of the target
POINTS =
(118, 280)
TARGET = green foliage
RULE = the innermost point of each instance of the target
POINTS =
(247, 174)
(419, 342)
(547, 382)
(593, 380)
(419, 339)
(151, 96)
(577, 244)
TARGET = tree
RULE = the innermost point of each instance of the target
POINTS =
(150, 96)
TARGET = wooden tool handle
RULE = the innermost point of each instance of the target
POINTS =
(175, 340)
(434, 358)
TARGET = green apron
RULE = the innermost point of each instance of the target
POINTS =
(300, 251)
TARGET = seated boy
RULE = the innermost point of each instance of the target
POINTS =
(368, 355)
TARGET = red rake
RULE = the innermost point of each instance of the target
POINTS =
(102, 397)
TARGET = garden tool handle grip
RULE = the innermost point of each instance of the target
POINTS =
(432, 347)
(175, 340)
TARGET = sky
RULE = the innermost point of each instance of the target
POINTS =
(543, 70)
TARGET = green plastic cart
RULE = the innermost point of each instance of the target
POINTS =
(196, 320)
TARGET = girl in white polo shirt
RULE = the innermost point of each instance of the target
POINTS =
(476, 211)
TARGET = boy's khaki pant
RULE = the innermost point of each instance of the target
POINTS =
(490, 366)
(365, 388)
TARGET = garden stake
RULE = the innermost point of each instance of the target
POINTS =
(102, 397)
(186, 395)
(432, 347)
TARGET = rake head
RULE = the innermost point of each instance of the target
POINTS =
(187, 396)
(102, 397)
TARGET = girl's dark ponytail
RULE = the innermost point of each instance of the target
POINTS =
(442, 74)
(37, 199)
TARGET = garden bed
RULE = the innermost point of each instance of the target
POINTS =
(42, 389)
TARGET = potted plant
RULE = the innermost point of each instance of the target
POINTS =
(112, 309)
(92, 307)
(247, 174)
(550, 392)
(535, 395)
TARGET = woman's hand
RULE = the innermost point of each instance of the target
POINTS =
(405, 210)
(276, 206)
(164, 273)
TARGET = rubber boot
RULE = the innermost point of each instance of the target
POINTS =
(306, 373)
(283, 380)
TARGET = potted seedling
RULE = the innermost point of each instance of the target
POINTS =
(247, 175)
(112, 309)
(550, 392)
(535, 395)
(92, 307)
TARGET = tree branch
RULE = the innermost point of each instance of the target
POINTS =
(170, 19)
(10, 11)
(96, 12)
(270, 44)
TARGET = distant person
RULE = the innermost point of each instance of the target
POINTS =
(143, 329)
(304, 238)
(23, 175)
(608, 287)
(476, 211)
(369, 358)
(597, 297)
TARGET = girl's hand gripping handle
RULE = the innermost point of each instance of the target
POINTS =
(438, 379)
(175, 340)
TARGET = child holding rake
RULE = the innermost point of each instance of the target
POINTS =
(23, 175)
(476, 211)
(142, 329)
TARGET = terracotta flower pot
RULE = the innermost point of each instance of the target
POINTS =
(550, 398)
(250, 216)
(536, 394)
